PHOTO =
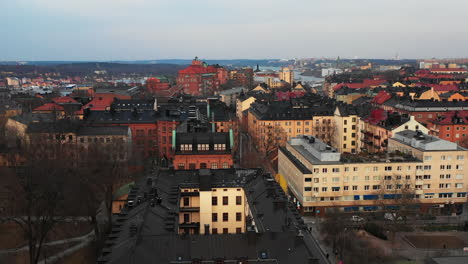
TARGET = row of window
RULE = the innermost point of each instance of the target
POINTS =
(376, 197)
(214, 217)
(214, 231)
(214, 200)
(387, 187)
(193, 166)
(443, 157)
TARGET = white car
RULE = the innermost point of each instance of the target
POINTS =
(356, 218)
(392, 216)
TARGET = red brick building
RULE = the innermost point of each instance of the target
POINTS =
(157, 84)
(451, 126)
(242, 77)
(201, 79)
(204, 150)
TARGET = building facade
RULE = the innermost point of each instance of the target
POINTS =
(427, 170)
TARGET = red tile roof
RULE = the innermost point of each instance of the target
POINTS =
(63, 100)
(365, 84)
(100, 102)
(49, 107)
(381, 97)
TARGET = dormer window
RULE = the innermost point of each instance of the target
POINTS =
(186, 147)
(203, 147)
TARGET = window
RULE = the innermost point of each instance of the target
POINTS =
(225, 200)
(225, 230)
(316, 189)
(307, 189)
(324, 170)
(238, 230)
(214, 217)
(225, 165)
(335, 189)
(214, 231)
(324, 189)
(316, 180)
(408, 177)
(324, 179)
(427, 167)
(388, 168)
(366, 187)
(345, 188)
(366, 178)
(202, 165)
(376, 178)
(398, 186)
(336, 170)
(355, 168)
(459, 167)
(375, 169)
(388, 178)
(214, 200)
(427, 177)
(186, 218)
(225, 217)
(375, 187)
(308, 179)
(346, 169)
(336, 179)
(238, 200)
(459, 176)
(460, 157)
(238, 217)
(186, 201)
(214, 165)
(461, 195)
(389, 187)
(355, 188)
(445, 195)
(458, 185)
(355, 178)
(398, 168)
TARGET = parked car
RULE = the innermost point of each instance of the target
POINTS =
(356, 218)
(392, 217)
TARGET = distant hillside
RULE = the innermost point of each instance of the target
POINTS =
(82, 69)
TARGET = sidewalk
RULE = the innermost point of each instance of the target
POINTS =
(314, 225)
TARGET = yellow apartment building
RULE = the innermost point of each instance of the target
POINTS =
(424, 168)
(287, 75)
(346, 128)
(212, 211)
(270, 126)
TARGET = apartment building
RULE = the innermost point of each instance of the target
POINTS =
(375, 130)
(212, 210)
(346, 129)
(319, 177)
(242, 213)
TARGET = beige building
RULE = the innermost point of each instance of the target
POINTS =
(287, 75)
(213, 211)
(424, 168)
(346, 128)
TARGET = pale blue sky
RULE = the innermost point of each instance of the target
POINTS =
(220, 29)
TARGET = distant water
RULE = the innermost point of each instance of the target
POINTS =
(297, 75)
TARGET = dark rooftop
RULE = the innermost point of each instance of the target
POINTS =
(147, 234)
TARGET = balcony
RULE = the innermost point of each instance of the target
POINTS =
(189, 225)
(189, 209)
(189, 194)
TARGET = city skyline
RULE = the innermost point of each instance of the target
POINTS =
(142, 29)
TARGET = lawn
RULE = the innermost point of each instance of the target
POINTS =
(435, 242)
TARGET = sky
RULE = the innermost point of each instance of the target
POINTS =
(105, 30)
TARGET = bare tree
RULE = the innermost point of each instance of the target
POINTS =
(37, 201)
(397, 200)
